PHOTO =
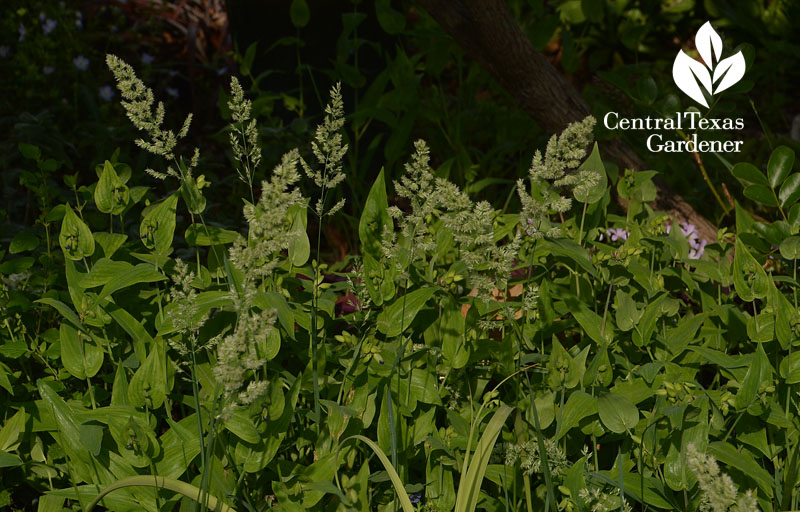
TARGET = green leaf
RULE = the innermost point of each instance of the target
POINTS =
(576, 253)
(80, 356)
(9, 460)
(192, 195)
(110, 195)
(375, 218)
(744, 462)
(423, 387)
(452, 323)
(240, 424)
(149, 384)
(65, 311)
(790, 247)
(627, 315)
(562, 368)
(646, 86)
(789, 369)
(758, 372)
(761, 194)
(23, 241)
(780, 165)
(198, 234)
(579, 405)
(748, 173)
(76, 239)
(396, 318)
(749, 278)
(141, 273)
(790, 190)
(390, 20)
(10, 433)
(29, 151)
(617, 413)
(299, 13)
(109, 242)
(103, 271)
(299, 247)
(594, 163)
(158, 225)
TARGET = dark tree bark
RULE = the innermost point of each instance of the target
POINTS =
(490, 35)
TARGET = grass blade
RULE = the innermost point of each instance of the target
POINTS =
(402, 495)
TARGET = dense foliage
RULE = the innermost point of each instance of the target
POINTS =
(183, 330)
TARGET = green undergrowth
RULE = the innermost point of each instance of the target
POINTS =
(550, 356)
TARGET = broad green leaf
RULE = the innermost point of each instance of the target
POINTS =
(192, 195)
(199, 234)
(780, 165)
(9, 460)
(579, 405)
(29, 151)
(299, 247)
(590, 321)
(240, 424)
(748, 173)
(103, 271)
(109, 242)
(562, 368)
(627, 315)
(132, 327)
(396, 318)
(576, 253)
(375, 218)
(390, 20)
(744, 462)
(617, 413)
(679, 337)
(790, 247)
(69, 434)
(141, 273)
(761, 194)
(158, 225)
(149, 384)
(79, 354)
(749, 278)
(758, 372)
(454, 350)
(423, 387)
(790, 190)
(75, 239)
(65, 311)
(110, 195)
(593, 163)
(299, 13)
(22, 242)
(789, 368)
(9, 434)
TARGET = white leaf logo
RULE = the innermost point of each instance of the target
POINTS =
(690, 74)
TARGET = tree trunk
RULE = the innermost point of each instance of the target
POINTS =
(489, 34)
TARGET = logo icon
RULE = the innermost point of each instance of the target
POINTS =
(714, 74)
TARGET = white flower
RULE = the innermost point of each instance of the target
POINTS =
(48, 70)
(3, 52)
(147, 59)
(172, 92)
(81, 63)
(106, 93)
(49, 25)
(22, 31)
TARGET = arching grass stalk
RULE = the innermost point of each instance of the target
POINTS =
(160, 482)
